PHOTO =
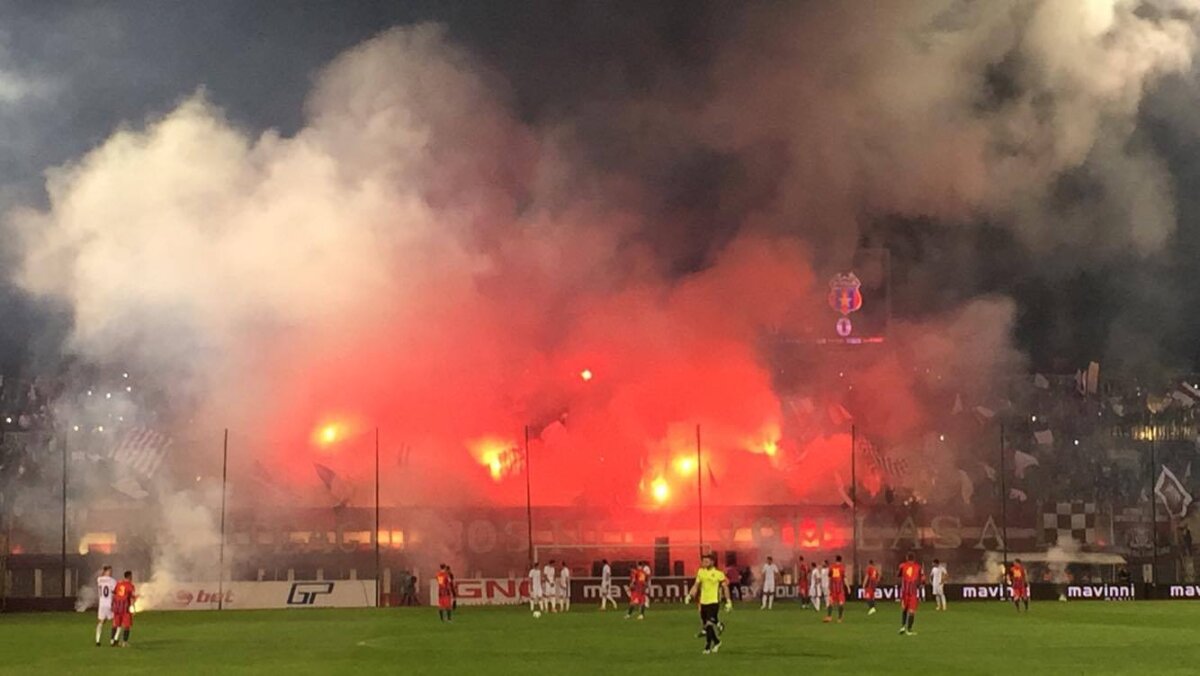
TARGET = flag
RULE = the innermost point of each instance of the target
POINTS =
(984, 412)
(1022, 462)
(841, 486)
(1044, 437)
(1081, 382)
(958, 405)
(1186, 395)
(1092, 379)
(404, 455)
(130, 487)
(989, 471)
(968, 487)
(1183, 399)
(1064, 522)
(802, 407)
(1017, 494)
(838, 415)
(712, 478)
(326, 475)
(1171, 491)
(141, 450)
(1040, 382)
(881, 462)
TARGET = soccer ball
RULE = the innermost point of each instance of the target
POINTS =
(537, 614)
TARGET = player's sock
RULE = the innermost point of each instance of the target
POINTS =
(771, 603)
(99, 630)
(710, 634)
(1026, 602)
(127, 631)
(113, 635)
(903, 619)
(841, 611)
(911, 618)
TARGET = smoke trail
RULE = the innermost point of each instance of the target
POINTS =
(418, 257)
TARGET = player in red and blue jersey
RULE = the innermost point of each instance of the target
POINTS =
(911, 579)
(123, 596)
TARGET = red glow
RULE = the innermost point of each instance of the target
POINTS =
(453, 393)
(498, 456)
(660, 490)
(685, 465)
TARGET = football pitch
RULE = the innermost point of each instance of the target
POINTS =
(976, 638)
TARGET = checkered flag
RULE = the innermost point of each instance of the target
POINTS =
(1070, 521)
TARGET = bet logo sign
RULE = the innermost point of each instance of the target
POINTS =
(306, 593)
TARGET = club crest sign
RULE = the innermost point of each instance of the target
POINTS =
(845, 297)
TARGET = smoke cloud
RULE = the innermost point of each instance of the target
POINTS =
(420, 257)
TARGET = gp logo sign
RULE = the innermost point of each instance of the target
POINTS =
(306, 593)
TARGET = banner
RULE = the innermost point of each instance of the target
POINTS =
(258, 595)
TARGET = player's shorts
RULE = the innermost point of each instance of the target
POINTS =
(104, 613)
(535, 593)
(938, 590)
(768, 587)
(123, 620)
(1020, 592)
(709, 612)
(869, 593)
(802, 588)
(637, 598)
(908, 603)
(445, 602)
(606, 590)
(838, 597)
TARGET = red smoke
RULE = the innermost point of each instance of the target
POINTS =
(461, 383)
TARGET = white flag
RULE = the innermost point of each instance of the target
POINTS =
(1175, 497)
(1022, 462)
(1040, 382)
(1044, 437)
(141, 449)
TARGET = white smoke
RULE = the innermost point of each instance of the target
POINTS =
(187, 544)
(1012, 112)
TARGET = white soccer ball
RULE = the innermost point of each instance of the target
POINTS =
(537, 614)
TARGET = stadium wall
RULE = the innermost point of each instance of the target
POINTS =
(261, 595)
(500, 591)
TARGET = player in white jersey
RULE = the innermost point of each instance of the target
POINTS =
(564, 587)
(549, 588)
(104, 595)
(537, 602)
(937, 577)
(824, 577)
(606, 586)
(769, 571)
(814, 587)
(649, 574)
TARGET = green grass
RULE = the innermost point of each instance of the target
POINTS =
(976, 638)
